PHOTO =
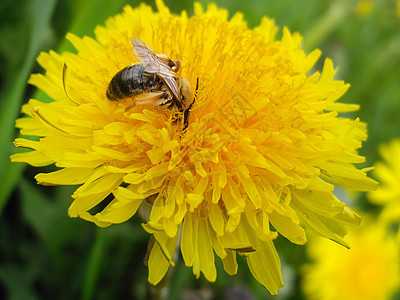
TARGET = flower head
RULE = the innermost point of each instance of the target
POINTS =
(369, 270)
(398, 9)
(264, 145)
(388, 174)
(364, 8)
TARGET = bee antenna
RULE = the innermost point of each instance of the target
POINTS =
(187, 111)
(195, 91)
(64, 77)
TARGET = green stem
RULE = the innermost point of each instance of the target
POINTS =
(94, 264)
(326, 24)
(42, 12)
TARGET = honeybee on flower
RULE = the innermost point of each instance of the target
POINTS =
(154, 80)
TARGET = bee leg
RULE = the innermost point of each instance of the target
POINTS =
(153, 98)
(186, 113)
(167, 98)
(169, 103)
(130, 106)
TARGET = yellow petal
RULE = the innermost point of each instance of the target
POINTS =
(158, 263)
(288, 228)
(67, 176)
(34, 158)
(188, 240)
(206, 253)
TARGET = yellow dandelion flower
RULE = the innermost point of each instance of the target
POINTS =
(398, 9)
(388, 174)
(260, 157)
(369, 270)
(364, 8)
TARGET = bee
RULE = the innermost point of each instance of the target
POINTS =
(153, 80)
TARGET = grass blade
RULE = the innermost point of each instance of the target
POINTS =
(41, 17)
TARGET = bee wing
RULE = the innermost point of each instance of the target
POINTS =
(151, 62)
(172, 86)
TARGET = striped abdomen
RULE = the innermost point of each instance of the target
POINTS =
(131, 81)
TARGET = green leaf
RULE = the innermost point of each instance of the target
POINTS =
(17, 281)
(91, 14)
(42, 11)
(41, 213)
(95, 260)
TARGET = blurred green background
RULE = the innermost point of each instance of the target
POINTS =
(46, 255)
